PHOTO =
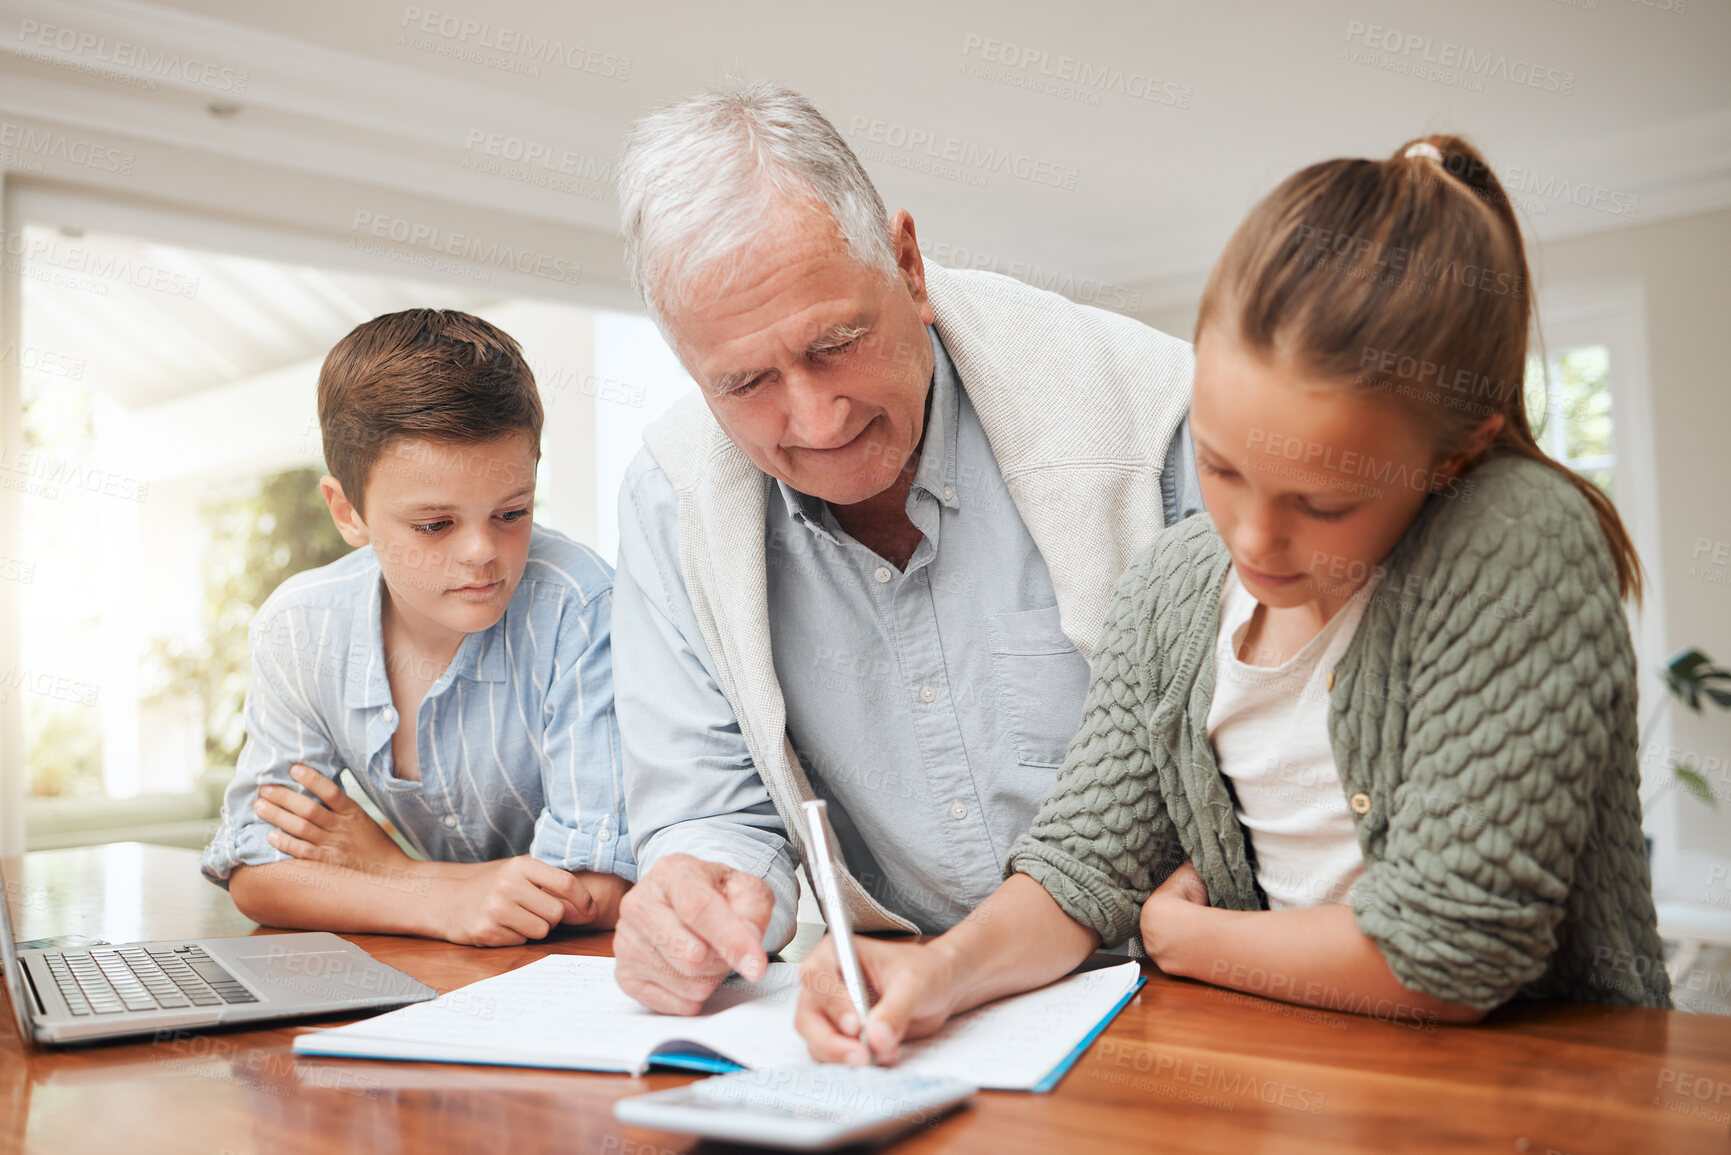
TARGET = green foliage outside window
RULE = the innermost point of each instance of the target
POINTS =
(1570, 413)
(256, 543)
(65, 754)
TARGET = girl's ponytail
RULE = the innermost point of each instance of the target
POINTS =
(1462, 161)
(1408, 276)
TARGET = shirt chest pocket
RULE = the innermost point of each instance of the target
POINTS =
(1042, 681)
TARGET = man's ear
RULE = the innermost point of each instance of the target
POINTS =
(343, 512)
(910, 263)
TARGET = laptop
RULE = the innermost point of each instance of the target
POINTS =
(93, 993)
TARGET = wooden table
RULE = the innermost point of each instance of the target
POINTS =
(1184, 1068)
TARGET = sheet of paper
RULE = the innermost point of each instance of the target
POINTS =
(559, 1011)
(755, 1026)
(1011, 1044)
(1007, 1045)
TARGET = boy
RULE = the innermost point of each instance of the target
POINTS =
(458, 665)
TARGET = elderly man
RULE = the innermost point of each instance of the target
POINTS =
(867, 559)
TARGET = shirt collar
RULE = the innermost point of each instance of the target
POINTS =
(802, 507)
(937, 469)
(480, 657)
(936, 473)
(367, 684)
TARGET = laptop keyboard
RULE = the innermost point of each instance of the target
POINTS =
(134, 978)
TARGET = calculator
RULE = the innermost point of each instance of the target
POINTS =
(810, 1107)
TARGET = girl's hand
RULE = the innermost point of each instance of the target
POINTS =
(915, 989)
(1164, 914)
(509, 901)
(328, 827)
(605, 891)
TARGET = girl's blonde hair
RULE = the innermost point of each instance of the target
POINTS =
(1406, 275)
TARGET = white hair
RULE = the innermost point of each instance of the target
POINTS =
(697, 177)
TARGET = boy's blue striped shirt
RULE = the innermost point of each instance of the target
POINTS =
(518, 747)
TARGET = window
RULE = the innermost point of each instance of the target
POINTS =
(1569, 407)
(1590, 410)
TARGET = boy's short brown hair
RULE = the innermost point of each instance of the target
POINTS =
(426, 374)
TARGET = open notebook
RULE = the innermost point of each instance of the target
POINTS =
(566, 1011)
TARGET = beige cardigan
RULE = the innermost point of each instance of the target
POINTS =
(1079, 406)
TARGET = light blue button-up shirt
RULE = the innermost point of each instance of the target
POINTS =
(931, 706)
(517, 741)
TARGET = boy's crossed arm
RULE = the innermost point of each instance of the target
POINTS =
(346, 874)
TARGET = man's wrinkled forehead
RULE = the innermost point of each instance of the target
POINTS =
(783, 292)
(787, 226)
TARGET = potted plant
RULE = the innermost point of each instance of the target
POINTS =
(1690, 676)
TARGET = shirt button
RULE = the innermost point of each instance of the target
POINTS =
(959, 811)
(949, 493)
(1360, 803)
(603, 835)
(389, 715)
(450, 820)
(882, 573)
(928, 694)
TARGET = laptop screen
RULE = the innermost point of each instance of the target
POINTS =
(15, 985)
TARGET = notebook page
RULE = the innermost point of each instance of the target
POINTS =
(754, 1028)
(559, 1011)
(1011, 1044)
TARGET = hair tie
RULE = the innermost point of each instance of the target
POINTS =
(1425, 148)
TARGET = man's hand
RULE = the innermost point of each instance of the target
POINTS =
(1163, 915)
(509, 901)
(684, 926)
(328, 827)
(916, 988)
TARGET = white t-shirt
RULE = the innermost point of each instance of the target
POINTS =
(1269, 729)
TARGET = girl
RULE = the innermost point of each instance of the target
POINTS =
(1365, 736)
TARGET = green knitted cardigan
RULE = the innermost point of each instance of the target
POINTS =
(1486, 710)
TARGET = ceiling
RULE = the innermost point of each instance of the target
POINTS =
(1169, 121)
(150, 322)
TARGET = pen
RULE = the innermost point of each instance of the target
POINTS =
(819, 862)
